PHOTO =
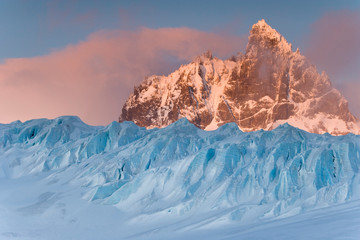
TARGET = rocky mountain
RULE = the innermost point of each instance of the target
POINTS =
(267, 86)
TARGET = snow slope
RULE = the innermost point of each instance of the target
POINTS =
(62, 177)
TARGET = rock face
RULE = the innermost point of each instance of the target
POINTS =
(267, 86)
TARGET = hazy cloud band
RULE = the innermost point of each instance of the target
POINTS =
(93, 78)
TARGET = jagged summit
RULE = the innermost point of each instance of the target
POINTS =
(265, 37)
(267, 86)
(206, 56)
(263, 29)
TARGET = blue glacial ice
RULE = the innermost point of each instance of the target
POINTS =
(181, 169)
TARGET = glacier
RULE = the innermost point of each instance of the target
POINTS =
(178, 179)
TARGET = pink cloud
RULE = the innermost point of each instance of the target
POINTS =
(93, 78)
(350, 89)
(333, 46)
(334, 42)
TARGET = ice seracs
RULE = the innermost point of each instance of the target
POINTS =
(61, 173)
(182, 169)
(270, 84)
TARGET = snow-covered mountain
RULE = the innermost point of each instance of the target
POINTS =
(267, 86)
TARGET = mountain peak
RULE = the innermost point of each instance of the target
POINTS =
(264, 36)
(261, 23)
(268, 86)
(263, 29)
(206, 56)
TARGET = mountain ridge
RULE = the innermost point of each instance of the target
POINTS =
(270, 84)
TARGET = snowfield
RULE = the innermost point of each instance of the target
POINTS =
(63, 179)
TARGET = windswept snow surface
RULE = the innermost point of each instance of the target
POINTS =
(63, 179)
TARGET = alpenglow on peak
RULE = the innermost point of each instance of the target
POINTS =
(262, 35)
(267, 86)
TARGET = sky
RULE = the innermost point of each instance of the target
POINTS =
(83, 57)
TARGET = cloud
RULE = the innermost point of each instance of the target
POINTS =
(333, 46)
(351, 92)
(334, 41)
(93, 78)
